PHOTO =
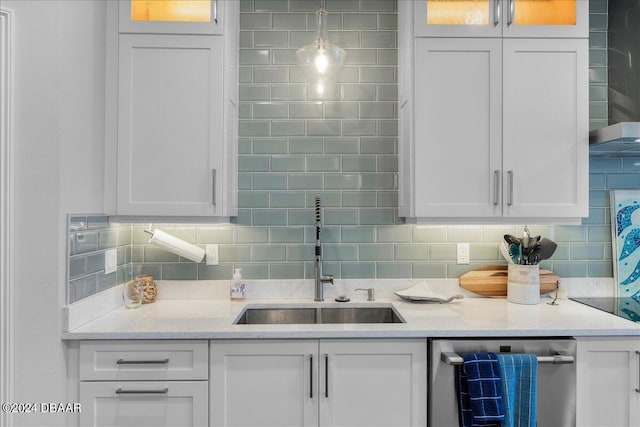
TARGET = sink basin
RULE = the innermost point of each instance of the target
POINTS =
(318, 314)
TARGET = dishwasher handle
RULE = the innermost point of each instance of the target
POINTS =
(451, 358)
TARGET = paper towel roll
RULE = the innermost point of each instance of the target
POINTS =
(177, 246)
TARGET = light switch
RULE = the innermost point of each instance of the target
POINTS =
(110, 261)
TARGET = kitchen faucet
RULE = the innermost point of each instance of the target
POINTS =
(320, 279)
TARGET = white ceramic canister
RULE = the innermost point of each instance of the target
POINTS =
(523, 284)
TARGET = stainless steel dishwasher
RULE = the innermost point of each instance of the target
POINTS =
(556, 382)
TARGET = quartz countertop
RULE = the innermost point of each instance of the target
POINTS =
(469, 317)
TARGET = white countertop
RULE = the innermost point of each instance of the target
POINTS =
(470, 317)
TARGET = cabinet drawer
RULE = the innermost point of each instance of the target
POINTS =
(144, 360)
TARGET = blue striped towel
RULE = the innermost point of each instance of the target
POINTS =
(479, 390)
(519, 373)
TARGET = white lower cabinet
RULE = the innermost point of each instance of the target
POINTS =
(608, 382)
(318, 383)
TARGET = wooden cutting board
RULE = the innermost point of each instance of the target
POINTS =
(491, 281)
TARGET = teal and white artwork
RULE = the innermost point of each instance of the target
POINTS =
(625, 239)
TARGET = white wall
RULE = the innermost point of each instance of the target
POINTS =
(59, 145)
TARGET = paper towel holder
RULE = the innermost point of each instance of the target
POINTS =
(175, 245)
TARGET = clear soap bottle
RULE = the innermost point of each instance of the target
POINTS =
(237, 285)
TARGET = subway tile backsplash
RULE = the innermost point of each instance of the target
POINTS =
(295, 145)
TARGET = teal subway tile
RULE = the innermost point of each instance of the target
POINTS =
(361, 57)
(327, 198)
(156, 254)
(95, 263)
(86, 241)
(77, 223)
(245, 111)
(377, 181)
(596, 216)
(345, 39)
(171, 271)
(329, 234)
(290, 21)
(77, 266)
(375, 252)
(387, 128)
(305, 181)
(600, 269)
(82, 288)
(304, 5)
(341, 145)
(597, 110)
(387, 21)
(598, 6)
(71, 244)
(377, 110)
(608, 252)
(570, 269)
(323, 128)
(270, 110)
(598, 57)
(391, 270)
(287, 199)
(271, 75)
(287, 128)
(359, 92)
(455, 270)
(288, 92)
(124, 255)
(144, 269)
(359, 128)
(269, 181)
(377, 75)
(484, 252)
(137, 253)
(287, 163)
(631, 164)
(341, 181)
(253, 21)
(495, 233)
(286, 271)
(253, 163)
(271, 38)
(464, 234)
(357, 270)
(358, 234)
(598, 74)
(428, 270)
(251, 235)
(412, 252)
(97, 222)
(334, 6)
(138, 235)
(244, 181)
(244, 145)
(387, 93)
(597, 181)
(270, 146)
(323, 163)
(235, 253)
(597, 39)
(298, 39)
(245, 75)
(268, 253)
(332, 268)
(597, 124)
(254, 271)
(107, 239)
(286, 235)
(271, 5)
(340, 216)
(334, 21)
(301, 216)
(253, 128)
(214, 272)
(378, 5)
(591, 251)
(300, 252)
(306, 110)
(598, 198)
(360, 21)
(599, 233)
(106, 281)
(562, 252)
(221, 234)
(340, 110)
(387, 164)
(246, 39)
(388, 199)
(269, 217)
(357, 199)
(305, 146)
(429, 234)
(378, 146)
(283, 57)
(359, 163)
(377, 216)
(397, 234)
(348, 75)
(254, 57)
(387, 57)
(378, 39)
(332, 92)
(443, 252)
(570, 234)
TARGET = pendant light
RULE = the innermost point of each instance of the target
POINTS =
(321, 61)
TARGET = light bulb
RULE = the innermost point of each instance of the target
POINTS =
(321, 61)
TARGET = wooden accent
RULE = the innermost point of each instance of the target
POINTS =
(491, 281)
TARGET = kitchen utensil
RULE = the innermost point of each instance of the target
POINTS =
(504, 250)
(512, 240)
(491, 281)
(515, 252)
(547, 248)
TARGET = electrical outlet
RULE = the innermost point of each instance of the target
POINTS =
(463, 253)
(213, 256)
(110, 261)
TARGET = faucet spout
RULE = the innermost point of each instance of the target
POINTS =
(320, 279)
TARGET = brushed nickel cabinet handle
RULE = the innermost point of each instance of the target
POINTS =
(496, 187)
(511, 12)
(142, 362)
(496, 12)
(638, 354)
(510, 199)
(161, 391)
(311, 376)
(326, 375)
(213, 186)
(215, 11)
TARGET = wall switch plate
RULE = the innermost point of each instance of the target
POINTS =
(463, 253)
(110, 261)
(213, 256)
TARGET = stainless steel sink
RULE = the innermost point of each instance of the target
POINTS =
(319, 314)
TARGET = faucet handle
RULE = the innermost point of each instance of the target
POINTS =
(371, 295)
(327, 278)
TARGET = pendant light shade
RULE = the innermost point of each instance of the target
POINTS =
(321, 61)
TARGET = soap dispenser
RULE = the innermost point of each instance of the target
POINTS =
(237, 285)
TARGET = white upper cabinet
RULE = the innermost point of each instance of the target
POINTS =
(172, 114)
(172, 16)
(496, 18)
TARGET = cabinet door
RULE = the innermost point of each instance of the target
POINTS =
(549, 18)
(546, 129)
(373, 383)
(170, 125)
(264, 383)
(455, 18)
(171, 16)
(458, 119)
(608, 382)
(139, 404)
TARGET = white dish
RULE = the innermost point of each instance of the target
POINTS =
(422, 292)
